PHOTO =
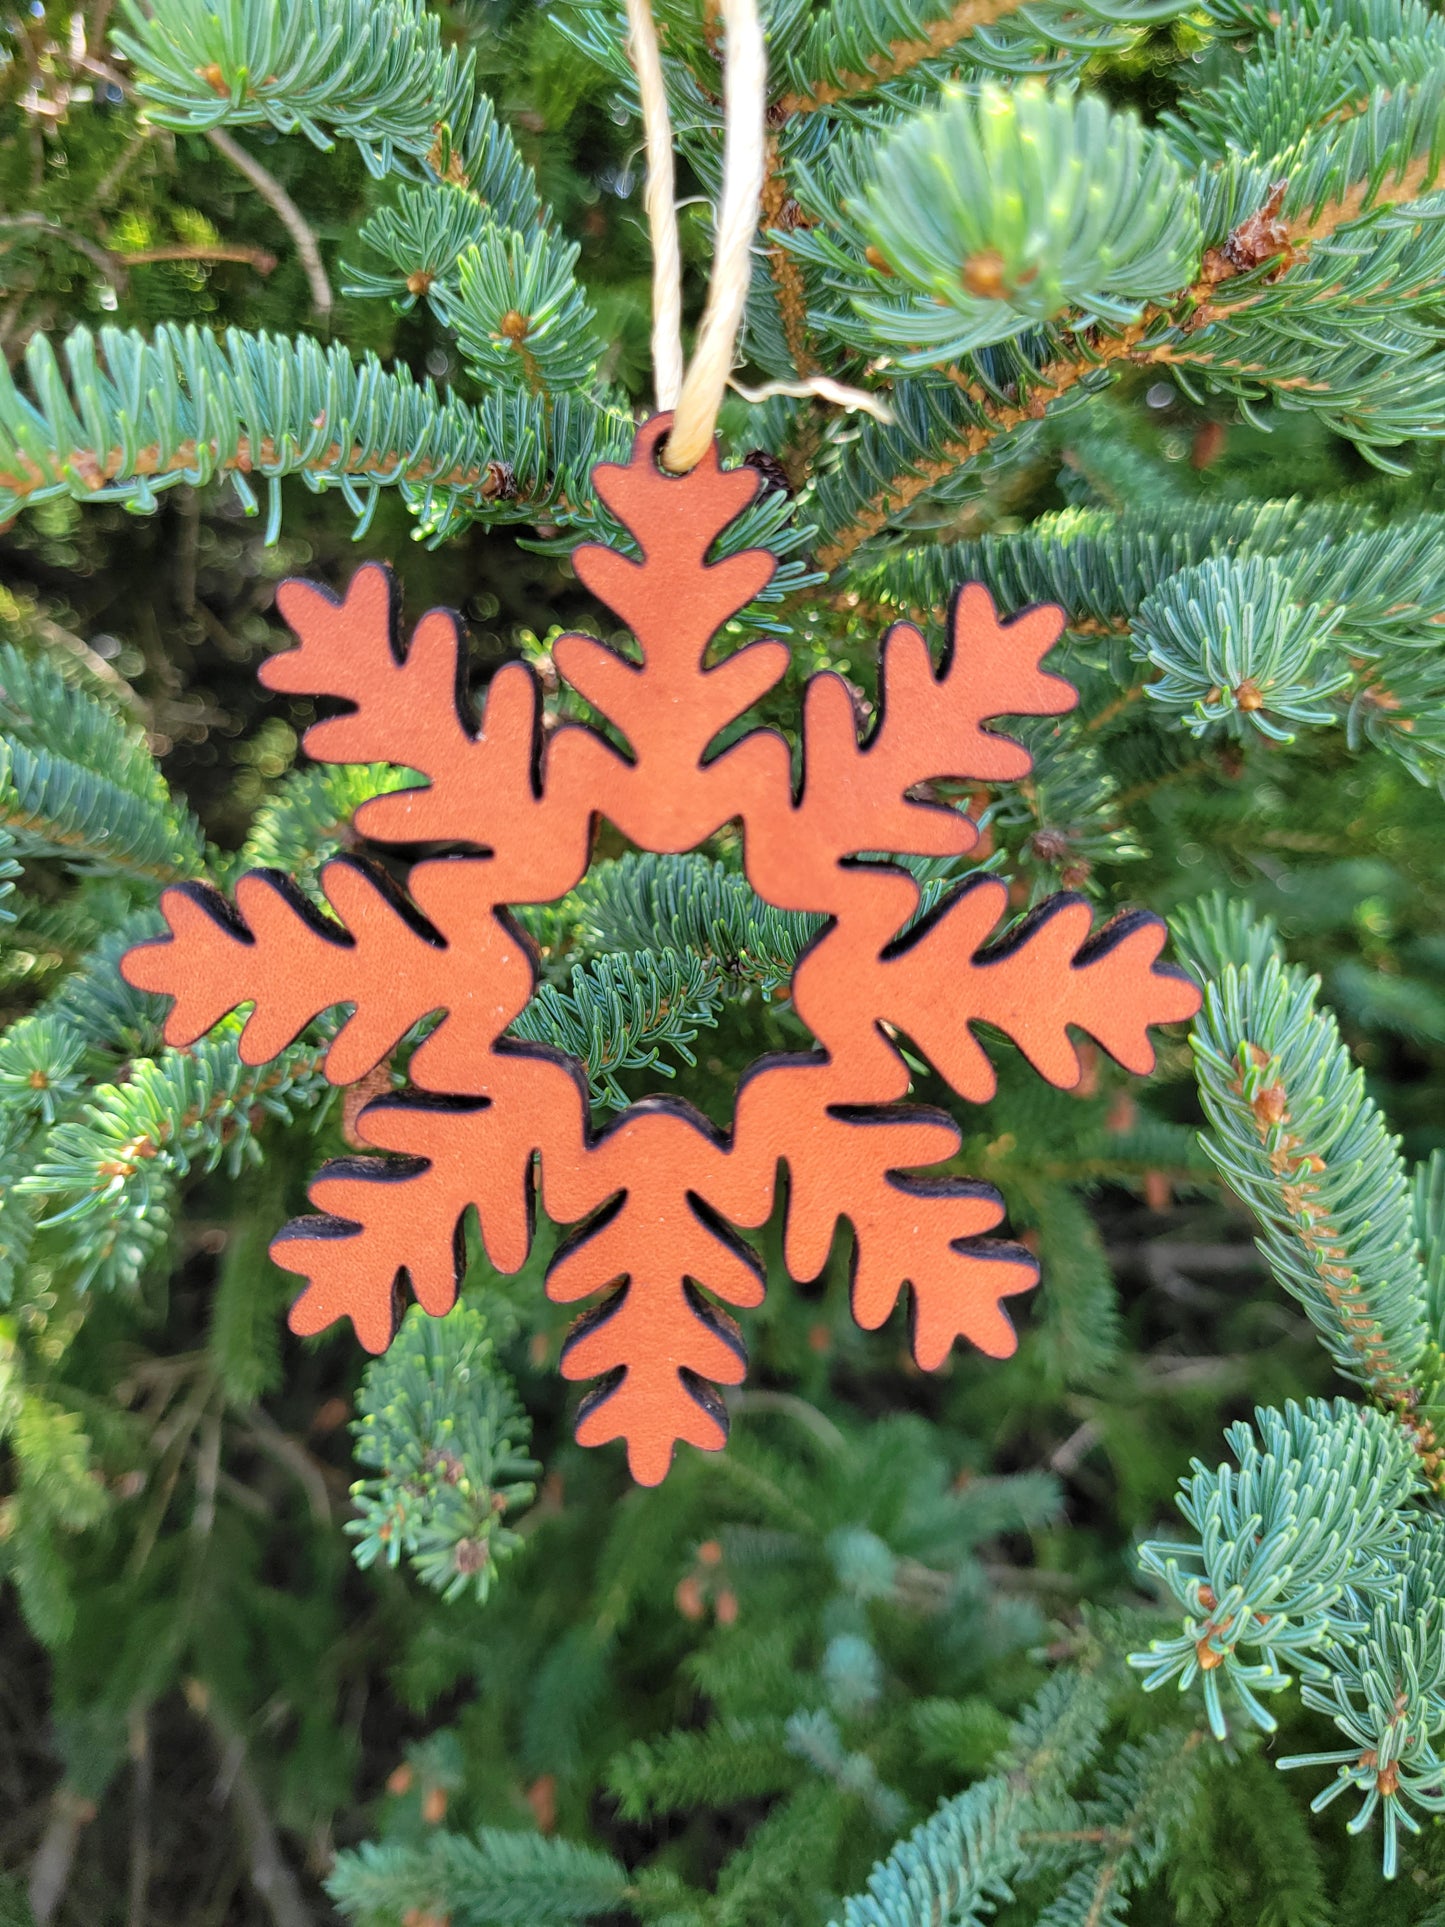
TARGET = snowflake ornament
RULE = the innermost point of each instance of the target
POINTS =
(657, 1193)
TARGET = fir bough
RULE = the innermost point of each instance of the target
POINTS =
(441, 1423)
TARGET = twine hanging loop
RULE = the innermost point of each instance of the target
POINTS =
(695, 391)
(696, 395)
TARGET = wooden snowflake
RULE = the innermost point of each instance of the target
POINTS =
(657, 1193)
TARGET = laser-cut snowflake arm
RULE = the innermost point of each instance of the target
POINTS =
(382, 1221)
(860, 1164)
(408, 708)
(394, 962)
(670, 707)
(931, 724)
(405, 697)
(1053, 973)
(675, 520)
(658, 1343)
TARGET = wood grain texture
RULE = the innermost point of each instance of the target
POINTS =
(657, 1197)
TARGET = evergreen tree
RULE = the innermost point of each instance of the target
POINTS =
(1147, 301)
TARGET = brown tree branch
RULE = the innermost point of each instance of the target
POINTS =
(1124, 1838)
(1110, 711)
(279, 1445)
(261, 259)
(1296, 1172)
(265, 184)
(47, 631)
(119, 167)
(896, 60)
(998, 418)
(50, 1869)
(777, 214)
(99, 257)
(100, 467)
(1191, 311)
(9, 318)
(14, 815)
(287, 212)
(276, 1885)
(115, 267)
(142, 1775)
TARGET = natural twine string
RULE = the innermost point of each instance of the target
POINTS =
(695, 394)
(660, 198)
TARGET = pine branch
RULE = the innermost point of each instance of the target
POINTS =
(619, 1013)
(502, 1878)
(100, 677)
(694, 904)
(40, 1067)
(1296, 1137)
(1036, 221)
(1146, 1797)
(813, 1736)
(113, 1170)
(1312, 617)
(961, 1861)
(443, 1425)
(9, 871)
(286, 211)
(855, 55)
(1312, 1518)
(243, 1343)
(521, 319)
(952, 1867)
(48, 715)
(1387, 1697)
(1230, 644)
(420, 237)
(1381, 579)
(897, 58)
(47, 1063)
(1186, 331)
(1061, 823)
(481, 183)
(1314, 69)
(690, 903)
(140, 416)
(112, 1017)
(1080, 1336)
(78, 781)
(961, 422)
(308, 820)
(54, 807)
(373, 71)
(717, 1765)
(1429, 1200)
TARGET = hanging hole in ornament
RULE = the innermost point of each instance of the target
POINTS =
(659, 459)
(656, 435)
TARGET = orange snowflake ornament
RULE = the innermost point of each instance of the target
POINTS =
(657, 1193)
